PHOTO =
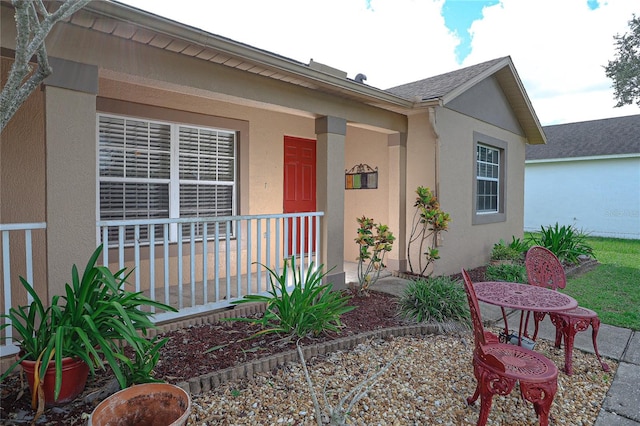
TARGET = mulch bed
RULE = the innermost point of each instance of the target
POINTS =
(188, 354)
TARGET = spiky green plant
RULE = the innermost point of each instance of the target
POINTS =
(307, 307)
(566, 242)
(435, 299)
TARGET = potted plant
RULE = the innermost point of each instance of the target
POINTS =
(149, 404)
(87, 326)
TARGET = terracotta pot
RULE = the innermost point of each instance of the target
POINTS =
(74, 378)
(148, 404)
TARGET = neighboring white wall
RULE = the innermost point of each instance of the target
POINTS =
(598, 196)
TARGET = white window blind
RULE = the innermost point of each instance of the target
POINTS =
(207, 173)
(144, 165)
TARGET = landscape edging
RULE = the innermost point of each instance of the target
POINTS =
(248, 370)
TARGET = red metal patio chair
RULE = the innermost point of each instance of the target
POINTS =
(498, 366)
(545, 270)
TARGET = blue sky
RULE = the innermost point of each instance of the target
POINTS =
(559, 47)
(460, 14)
(458, 17)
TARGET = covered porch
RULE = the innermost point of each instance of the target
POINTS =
(194, 265)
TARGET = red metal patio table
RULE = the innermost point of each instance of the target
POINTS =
(524, 297)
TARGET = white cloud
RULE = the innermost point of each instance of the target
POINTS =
(559, 47)
(394, 42)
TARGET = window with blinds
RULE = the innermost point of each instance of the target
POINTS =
(150, 170)
(487, 179)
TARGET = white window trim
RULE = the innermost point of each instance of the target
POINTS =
(490, 179)
(480, 218)
(174, 180)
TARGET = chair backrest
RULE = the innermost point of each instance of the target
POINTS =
(544, 269)
(474, 308)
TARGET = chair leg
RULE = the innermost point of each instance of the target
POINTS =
(488, 384)
(569, 332)
(486, 400)
(473, 398)
(541, 395)
(595, 326)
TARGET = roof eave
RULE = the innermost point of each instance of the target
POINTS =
(243, 51)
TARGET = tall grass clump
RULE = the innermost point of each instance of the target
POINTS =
(307, 307)
(566, 242)
(436, 300)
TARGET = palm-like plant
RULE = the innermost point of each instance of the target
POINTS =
(89, 322)
(298, 306)
(566, 242)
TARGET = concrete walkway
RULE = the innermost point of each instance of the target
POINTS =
(621, 406)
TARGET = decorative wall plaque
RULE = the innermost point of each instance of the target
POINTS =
(361, 176)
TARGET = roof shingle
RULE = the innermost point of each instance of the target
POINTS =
(610, 136)
(440, 85)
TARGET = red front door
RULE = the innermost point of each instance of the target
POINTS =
(299, 187)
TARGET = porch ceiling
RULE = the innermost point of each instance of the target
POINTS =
(133, 24)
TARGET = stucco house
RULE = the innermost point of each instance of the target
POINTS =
(587, 176)
(194, 157)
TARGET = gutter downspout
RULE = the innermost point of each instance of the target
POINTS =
(433, 123)
(436, 164)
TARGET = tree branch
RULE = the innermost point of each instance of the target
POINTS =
(316, 404)
(31, 33)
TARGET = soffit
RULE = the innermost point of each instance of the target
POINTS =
(129, 23)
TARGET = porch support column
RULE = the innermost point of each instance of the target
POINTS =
(70, 110)
(397, 153)
(330, 132)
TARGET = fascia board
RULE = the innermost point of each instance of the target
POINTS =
(448, 97)
(506, 62)
(125, 13)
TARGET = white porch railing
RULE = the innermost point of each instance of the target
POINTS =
(202, 264)
(10, 233)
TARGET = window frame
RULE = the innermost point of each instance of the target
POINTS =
(480, 217)
(174, 181)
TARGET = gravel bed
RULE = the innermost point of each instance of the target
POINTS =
(427, 383)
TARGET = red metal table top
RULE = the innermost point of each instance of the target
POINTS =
(523, 296)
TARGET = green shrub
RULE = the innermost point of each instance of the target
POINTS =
(502, 251)
(90, 321)
(372, 249)
(310, 306)
(435, 299)
(566, 242)
(507, 272)
(428, 222)
(519, 245)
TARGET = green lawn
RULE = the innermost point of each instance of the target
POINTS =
(612, 289)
